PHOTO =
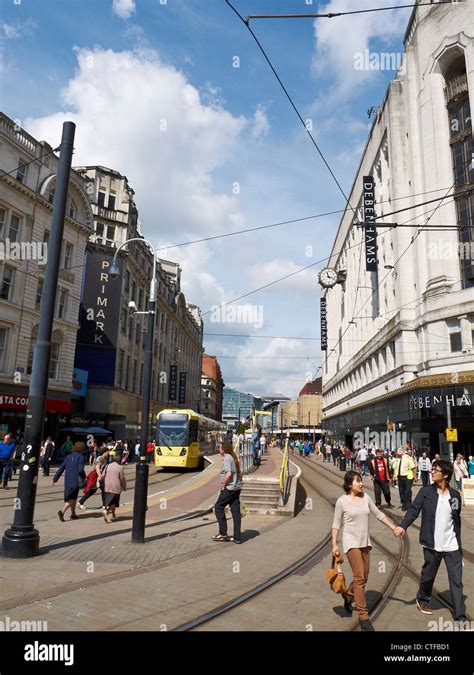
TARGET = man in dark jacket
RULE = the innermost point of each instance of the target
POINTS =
(381, 474)
(440, 536)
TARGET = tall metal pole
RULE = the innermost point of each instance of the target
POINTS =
(141, 481)
(450, 443)
(22, 539)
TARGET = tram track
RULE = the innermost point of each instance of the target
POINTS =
(56, 495)
(312, 558)
(467, 555)
(403, 565)
(400, 567)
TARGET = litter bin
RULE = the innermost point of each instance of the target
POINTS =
(342, 463)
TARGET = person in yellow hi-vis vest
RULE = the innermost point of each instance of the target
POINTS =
(405, 473)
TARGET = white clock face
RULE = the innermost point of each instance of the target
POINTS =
(328, 277)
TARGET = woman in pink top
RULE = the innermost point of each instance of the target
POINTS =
(114, 484)
(352, 512)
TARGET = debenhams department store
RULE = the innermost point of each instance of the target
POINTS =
(419, 408)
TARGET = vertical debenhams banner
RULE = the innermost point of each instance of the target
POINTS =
(99, 319)
(370, 229)
(324, 326)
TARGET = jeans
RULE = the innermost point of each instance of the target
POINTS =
(380, 487)
(425, 478)
(5, 471)
(359, 560)
(404, 490)
(228, 498)
(363, 466)
(453, 561)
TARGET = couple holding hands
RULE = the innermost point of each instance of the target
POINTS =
(440, 537)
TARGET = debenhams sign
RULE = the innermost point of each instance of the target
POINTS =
(419, 402)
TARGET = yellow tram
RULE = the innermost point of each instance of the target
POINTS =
(183, 437)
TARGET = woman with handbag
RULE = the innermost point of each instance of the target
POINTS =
(352, 511)
(74, 479)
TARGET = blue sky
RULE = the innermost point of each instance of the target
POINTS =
(117, 67)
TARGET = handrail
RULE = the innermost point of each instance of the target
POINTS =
(284, 474)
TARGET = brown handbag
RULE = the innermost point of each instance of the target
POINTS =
(335, 575)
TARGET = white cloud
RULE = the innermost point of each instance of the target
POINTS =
(19, 30)
(141, 117)
(338, 40)
(123, 8)
(281, 366)
(261, 126)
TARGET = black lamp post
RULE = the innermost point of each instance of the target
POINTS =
(22, 539)
(141, 482)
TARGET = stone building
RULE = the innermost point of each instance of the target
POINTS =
(111, 345)
(405, 355)
(27, 182)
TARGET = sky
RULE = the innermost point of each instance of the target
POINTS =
(177, 96)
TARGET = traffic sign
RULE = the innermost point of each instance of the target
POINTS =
(452, 435)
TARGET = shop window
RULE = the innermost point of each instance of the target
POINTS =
(454, 329)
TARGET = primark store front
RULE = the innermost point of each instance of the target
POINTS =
(419, 415)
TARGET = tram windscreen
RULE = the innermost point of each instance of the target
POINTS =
(173, 430)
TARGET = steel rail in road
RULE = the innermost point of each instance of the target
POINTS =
(402, 566)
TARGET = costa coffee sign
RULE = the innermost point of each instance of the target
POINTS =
(13, 401)
(20, 402)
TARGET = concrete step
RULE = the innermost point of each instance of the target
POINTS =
(257, 489)
(260, 499)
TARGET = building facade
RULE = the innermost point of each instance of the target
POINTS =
(27, 187)
(111, 340)
(404, 358)
(212, 388)
(237, 406)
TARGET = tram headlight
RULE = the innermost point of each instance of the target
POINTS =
(183, 452)
(158, 451)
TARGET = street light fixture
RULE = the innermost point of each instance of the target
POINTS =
(141, 481)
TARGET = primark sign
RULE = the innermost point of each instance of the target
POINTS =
(420, 402)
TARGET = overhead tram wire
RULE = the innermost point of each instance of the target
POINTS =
(303, 269)
(412, 241)
(36, 159)
(332, 15)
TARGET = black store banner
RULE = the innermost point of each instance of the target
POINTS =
(100, 303)
(369, 228)
(173, 383)
(182, 387)
(324, 326)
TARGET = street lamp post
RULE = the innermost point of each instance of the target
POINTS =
(22, 539)
(141, 481)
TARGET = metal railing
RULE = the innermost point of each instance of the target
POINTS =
(285, 476)
(245, 453)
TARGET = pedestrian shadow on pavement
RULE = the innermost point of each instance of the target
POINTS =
(44, 550)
